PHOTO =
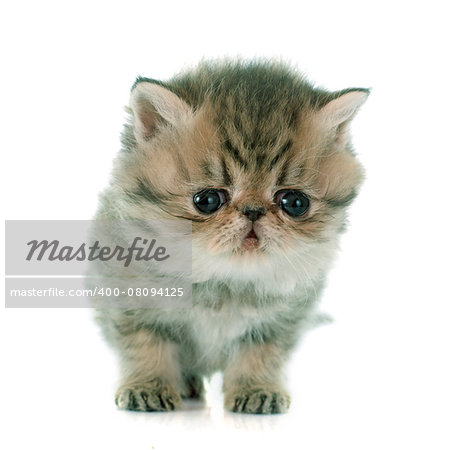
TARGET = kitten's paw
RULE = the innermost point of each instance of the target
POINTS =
(258, 401)
(193, 387)
(150, 396)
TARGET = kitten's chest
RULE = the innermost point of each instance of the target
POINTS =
(215, 332)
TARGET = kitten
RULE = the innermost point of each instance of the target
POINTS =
(260, 162)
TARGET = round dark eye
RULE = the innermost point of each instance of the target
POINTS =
(294, 203)
(209, 200)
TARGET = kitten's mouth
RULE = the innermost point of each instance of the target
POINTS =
(251, 240)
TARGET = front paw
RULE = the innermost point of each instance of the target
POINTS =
(154, 395)
(258, 400)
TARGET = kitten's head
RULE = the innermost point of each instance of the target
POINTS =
(254, 156)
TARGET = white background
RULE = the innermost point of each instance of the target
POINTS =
(376, 378)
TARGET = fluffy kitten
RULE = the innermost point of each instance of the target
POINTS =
(260, 161)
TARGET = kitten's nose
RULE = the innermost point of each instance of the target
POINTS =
(253, 214)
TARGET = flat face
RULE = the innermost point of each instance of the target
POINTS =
(253, 156)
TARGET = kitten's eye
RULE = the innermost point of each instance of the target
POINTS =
(294, 203)
(209, 200)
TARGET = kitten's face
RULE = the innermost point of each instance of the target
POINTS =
(272, 206)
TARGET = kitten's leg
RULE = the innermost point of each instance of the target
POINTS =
(252, 380)
(150, 373)
(192, 387)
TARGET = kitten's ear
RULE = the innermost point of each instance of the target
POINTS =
(337, 114)
(153, 106)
